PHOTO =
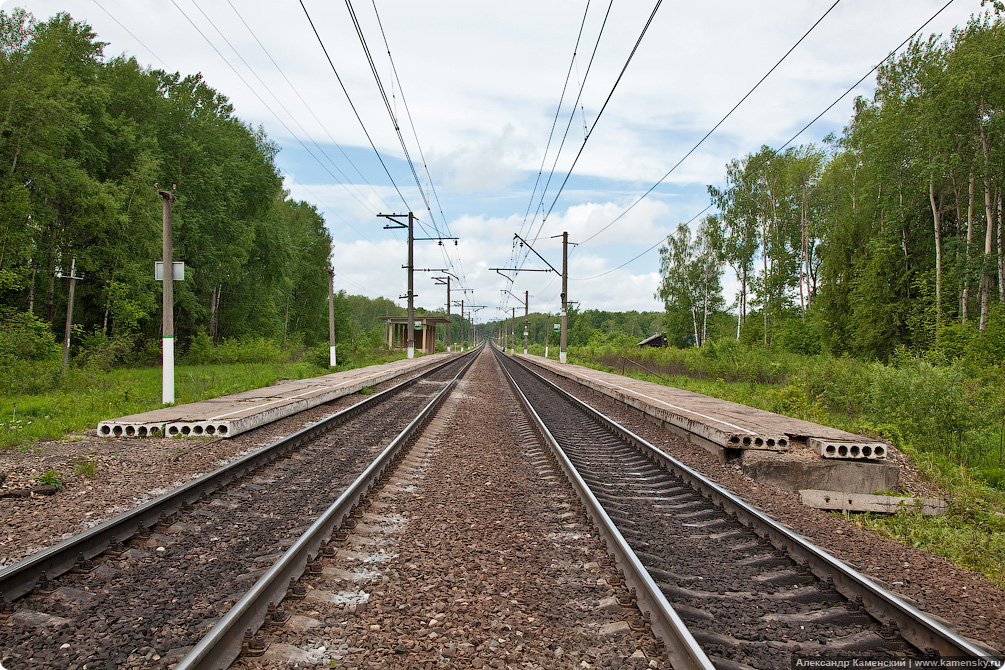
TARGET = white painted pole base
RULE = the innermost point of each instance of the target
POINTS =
(167, 386)
(561, 357)
(525, 351)
(546, 351)
(411, 352)
(331, 356)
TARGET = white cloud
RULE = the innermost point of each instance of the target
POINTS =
(482, 81)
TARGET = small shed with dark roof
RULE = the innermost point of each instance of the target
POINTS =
(657, 340)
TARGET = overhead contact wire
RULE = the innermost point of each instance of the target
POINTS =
(721, 121)
(309, 109)
(601, 112)
(351, 104)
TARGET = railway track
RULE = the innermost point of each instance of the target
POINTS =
(188, 580)
(140, 589)
(723, 585)
(469, 553)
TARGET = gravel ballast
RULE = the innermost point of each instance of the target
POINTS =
(475, 554)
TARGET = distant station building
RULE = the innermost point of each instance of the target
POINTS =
(425, 332)
(657, 340)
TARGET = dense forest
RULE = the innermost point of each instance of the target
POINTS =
(83, 140)
(887, 235)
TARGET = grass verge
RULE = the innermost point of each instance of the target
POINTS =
(84, 396)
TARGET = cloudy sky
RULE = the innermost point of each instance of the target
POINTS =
(482, 82)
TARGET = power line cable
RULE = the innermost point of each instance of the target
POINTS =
(565, 134)
(351, 104)
(558, 110)
(790, 140)
(254, 92)
(603, 107)
(345, 184)
(307, 107)
(662, 240)
(387, 104)
(458, 268)
(411, 122)
(572, 116)
(260, 100)
(121, 25)
(875, 67)
(803, 130)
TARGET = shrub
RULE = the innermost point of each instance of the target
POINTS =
(202, 351)
(26, 337)
(989, 349)
(798, 337)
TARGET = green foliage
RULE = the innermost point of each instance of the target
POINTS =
(85, 467)
(70, 403)
(84, 140)
(25, 337)
(202, 351)
(50, 478)
(798, 337)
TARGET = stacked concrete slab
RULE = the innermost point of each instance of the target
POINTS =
(231, 415)
(773, 449)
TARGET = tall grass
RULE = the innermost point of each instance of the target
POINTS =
(38, 401)
(955, 410)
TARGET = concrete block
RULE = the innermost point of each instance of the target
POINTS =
(795, 472)
(864, 502)
(862, 450)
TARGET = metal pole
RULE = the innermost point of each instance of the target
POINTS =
(526, 316)
(565, 297)
(512, 329)
(547, 335)
(167, 308)
(462, 325)
(411, 304)
(449, 340)
(69, 313)
(331, 317)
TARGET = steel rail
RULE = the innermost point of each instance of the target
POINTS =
(682, 649)
(915, 626)
(20, 578)
(218, 649)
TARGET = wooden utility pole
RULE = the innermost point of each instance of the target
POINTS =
(450, 340)
(167, 306)
(331, 317)
(69, 311)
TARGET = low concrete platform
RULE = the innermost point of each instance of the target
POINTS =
(864, 502)
(231, 415)
(773, 449)
(798, 470)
